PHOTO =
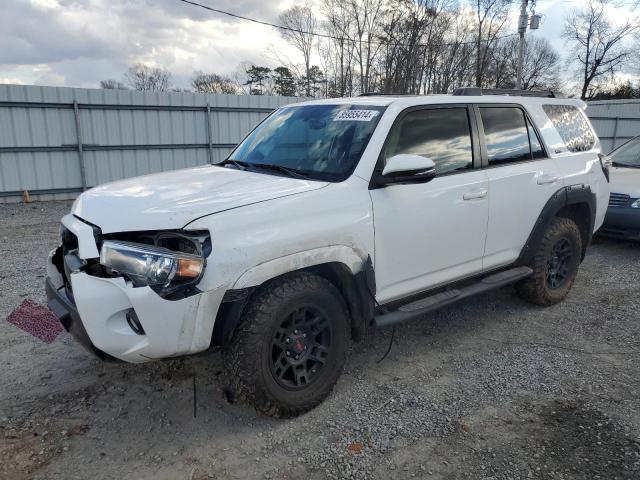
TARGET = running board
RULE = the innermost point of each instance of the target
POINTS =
(439, 300)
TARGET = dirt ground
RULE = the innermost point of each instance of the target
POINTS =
(491, 388)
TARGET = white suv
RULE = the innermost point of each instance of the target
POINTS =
(331, 217)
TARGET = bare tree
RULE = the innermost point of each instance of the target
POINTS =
(212, 83)
(599, 46)
(301, 25)
(367, 17)
(540, 69)
(146, 78)
(491, 15)
(338, 50)
(111, 84)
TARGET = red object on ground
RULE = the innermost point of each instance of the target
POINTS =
(37, 320)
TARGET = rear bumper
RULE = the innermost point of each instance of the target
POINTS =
(622, 222)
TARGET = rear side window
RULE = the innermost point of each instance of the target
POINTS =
(506, 135)
(572, 127)
(441, 134)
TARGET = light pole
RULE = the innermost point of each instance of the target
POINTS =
(523, 23)
(522, 28)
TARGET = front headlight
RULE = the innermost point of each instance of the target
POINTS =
(636, 204)
(159, 268)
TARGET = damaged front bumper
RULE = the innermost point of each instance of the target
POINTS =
(64, 308)
(98, 311)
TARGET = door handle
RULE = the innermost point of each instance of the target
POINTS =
(475, 194)
(545, 178)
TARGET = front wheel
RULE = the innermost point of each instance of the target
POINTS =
(555, 264)
(290, 347)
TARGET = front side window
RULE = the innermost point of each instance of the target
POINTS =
(441, 134)
(506, 134)
(322, 142)
(628, 155)
(572, 127)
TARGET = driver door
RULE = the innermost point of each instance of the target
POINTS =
(428, 234)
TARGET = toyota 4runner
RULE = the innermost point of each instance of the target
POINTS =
(329, 218)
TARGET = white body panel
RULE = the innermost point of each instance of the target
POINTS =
(517, 195)
(626, 181)
(418, 236)
(428, 234)
(251, 245)
(173, 199)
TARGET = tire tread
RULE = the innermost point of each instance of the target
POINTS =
(242, 363)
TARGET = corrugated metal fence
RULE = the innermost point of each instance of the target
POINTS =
(55, 141)
(615, 121)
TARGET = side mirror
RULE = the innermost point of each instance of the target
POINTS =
(407, 168)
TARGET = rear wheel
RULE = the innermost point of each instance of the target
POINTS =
(290, 347)
(555, 264)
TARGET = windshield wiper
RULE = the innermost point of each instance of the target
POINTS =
(291, 172)
(624, 165)
(238, 164)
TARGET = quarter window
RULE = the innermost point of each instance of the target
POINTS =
(572, 127)
(441, 134)
(506, 134)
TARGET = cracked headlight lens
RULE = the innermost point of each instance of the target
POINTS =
(162, 269)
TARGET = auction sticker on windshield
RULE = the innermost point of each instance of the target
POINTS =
(357, 115)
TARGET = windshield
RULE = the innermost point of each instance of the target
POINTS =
(628, 155)
(321, 142)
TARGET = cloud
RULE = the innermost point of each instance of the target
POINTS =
(11, 81)
(80, 42)
(83, 42)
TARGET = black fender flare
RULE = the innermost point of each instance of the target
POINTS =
(577, 194)
(357, 289)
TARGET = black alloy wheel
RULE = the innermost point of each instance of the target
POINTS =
(555, 264)
(300, 347)
(559, 264)
(290, 347)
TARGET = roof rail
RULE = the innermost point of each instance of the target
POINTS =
(475, 91)
(376, 94)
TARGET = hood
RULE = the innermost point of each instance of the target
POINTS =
(626, 181)
(171, 200)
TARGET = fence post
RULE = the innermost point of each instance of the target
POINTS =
(209, 134)
(83, 176)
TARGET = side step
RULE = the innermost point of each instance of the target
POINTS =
(442, 299)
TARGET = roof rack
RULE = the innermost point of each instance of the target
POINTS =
(475, 91)
(376, 94)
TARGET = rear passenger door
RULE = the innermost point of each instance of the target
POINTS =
(522, 178)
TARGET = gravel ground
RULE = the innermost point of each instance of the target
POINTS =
(491, 388)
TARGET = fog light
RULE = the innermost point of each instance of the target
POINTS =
(133, 322)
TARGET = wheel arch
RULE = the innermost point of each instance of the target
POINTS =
(576, 202)
(354, 279)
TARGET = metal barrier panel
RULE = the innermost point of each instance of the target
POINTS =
(615, 121)
(57, 141)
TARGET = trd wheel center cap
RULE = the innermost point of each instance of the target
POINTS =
(297, 342)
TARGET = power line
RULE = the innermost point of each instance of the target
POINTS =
(333, 37)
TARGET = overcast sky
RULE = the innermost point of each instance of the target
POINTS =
(80, 42)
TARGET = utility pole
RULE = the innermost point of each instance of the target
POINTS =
(522, 28)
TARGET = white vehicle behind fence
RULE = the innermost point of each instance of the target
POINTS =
(332, 217)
